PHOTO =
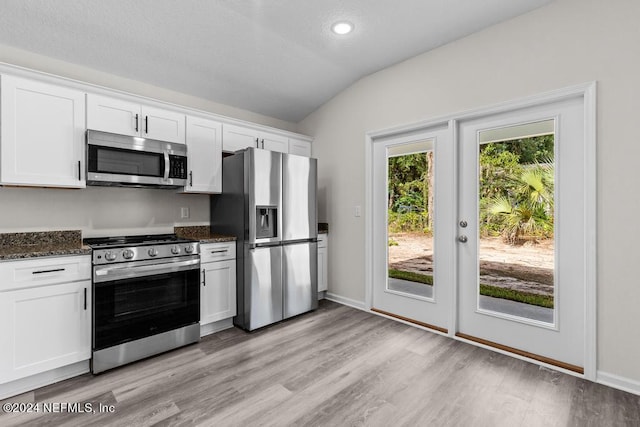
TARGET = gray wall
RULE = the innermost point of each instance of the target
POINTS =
(562, 44)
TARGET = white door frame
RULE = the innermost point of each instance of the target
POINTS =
(588, 92)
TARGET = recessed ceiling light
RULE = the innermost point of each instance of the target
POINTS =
(342, 27)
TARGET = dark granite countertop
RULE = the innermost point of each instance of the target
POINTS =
(15, 246)
(202, 233)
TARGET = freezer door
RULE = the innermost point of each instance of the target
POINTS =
(299, 187)
(300, 271)
(264, 185)
(263, 286)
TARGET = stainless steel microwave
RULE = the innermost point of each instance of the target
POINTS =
(120, 160)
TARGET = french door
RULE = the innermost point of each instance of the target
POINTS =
(544, 198)
(426, 303)
(512, 239)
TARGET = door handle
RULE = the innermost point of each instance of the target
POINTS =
(462, 239)
(85, 299)
(204, 277)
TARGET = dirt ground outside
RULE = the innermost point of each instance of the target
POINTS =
(527, 267)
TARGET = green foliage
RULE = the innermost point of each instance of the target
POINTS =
(515, 190)
(406, 222)
(393, 242)
(487, 290)
(519, 296)
(411, 276)
(526, 210)
(516, 198)
(406, 182)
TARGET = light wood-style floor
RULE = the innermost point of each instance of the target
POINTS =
(335, 367)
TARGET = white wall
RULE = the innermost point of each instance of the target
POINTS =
(564, 43)
(102, 211)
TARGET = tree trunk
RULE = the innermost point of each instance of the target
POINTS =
(429, 190)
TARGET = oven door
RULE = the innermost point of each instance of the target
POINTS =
(138, 299)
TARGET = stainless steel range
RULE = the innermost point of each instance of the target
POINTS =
(146, 297)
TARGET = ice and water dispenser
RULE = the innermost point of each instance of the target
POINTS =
(266, 221)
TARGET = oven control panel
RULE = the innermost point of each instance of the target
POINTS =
(145, 252)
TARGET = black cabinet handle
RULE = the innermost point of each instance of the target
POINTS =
(263, 143)
(55, 270)
(204, 277)
(146, 124)
(136, 122)
(190, 178)
(85, 298)
(79, 170)
(257, 143)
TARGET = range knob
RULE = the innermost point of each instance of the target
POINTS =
(175, 250)
(127, 254)
(188, 249)
(110, 256)
(153, 252)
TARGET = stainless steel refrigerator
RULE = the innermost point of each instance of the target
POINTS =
(268, 202)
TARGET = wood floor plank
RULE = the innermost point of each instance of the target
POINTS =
(337, 366)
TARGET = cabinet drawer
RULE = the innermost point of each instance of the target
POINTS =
(43, 271)
(217, 251)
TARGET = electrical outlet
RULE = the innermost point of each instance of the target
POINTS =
(184, 212)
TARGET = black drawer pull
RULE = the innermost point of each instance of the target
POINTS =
(85, 298)
(221, 251)
(55, 270)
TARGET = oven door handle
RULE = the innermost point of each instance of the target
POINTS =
(107, 274)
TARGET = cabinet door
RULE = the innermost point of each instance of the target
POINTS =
(204, 149)
(44, 328)
(42, 134)
(162, 125)
(322, 269)
(113, 115)
(236, 138)
(274, 142)
(299, 147)
(218, 291)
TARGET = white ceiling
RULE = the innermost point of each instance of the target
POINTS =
(274, 57)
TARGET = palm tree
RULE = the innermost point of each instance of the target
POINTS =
(529, 209)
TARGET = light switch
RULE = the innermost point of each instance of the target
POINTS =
(357, 211)
(184, 212)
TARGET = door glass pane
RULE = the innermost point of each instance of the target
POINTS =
(410, 185)
(516, 221)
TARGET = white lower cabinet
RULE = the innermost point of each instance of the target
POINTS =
(45, 315)
(323, 270)
(218, 282)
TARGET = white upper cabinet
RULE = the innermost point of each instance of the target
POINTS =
(236, 138)
(42, 135)
(130, 118)
(299, 147)
(204, 151)
(274, 142)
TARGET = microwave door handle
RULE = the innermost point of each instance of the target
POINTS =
(166, 166)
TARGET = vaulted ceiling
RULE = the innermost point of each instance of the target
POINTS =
(274, 57)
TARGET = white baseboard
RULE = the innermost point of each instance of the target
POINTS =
(212, 328)
(33, 382)
(616, 381)
(360, 305)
